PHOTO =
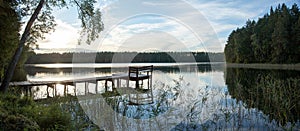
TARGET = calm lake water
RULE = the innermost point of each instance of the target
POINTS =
(184, 96)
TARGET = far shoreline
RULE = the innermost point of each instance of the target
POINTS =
(264, 66)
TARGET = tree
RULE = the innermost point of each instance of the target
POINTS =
(274, 38)
(243, 43)
(280, 36)
(10, 26)
(295, 46)
(41, 21)
(229, 53)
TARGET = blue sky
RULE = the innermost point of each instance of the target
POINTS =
(164, 25)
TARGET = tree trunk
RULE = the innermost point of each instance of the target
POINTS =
(11, 68)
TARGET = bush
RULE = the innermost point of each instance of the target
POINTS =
(22, 113)
(52, 117)
(16, 122)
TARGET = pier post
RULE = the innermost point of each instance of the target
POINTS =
(55, 91)
(106, 86)
(96, 87)
(86, 87)
(65, 90)
(75, 91)
(48, 91)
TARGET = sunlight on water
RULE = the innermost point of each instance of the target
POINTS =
(185, 97)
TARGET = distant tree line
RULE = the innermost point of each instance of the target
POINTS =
(126, 57)
(275, 38)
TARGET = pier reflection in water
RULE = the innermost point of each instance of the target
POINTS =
(191, 97)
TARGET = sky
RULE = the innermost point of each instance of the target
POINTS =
(152, 25)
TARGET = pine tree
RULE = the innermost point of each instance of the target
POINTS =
(295, 45)
(280, 36)
(274, 38)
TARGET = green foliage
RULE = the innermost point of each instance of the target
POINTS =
(16, 122)
(42, 21)
(71, 112)
(22, 113)
(91, 20)
(52, 117)
(9, 28)
(80, 120)
(90, 17)
(272, 39)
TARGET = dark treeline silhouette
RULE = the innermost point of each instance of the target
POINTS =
(126, 57)
(32, 71)
(274, 38)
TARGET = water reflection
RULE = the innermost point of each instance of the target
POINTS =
(41, 73)
(274, 92)
(53, 69)
(194, 97)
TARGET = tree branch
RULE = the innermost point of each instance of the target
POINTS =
(11, 68)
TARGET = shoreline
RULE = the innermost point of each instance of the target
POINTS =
(264, 66)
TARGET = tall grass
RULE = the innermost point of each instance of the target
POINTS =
(275, 93)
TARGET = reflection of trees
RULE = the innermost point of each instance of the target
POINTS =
(124, 57)
(276, 93)
(169, 69)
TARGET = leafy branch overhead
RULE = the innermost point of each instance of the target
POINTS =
(40, 21)
(91, 21)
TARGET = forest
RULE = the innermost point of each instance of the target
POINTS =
(125, 57)
(274, 38)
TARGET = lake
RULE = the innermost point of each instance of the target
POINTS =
(185, 96)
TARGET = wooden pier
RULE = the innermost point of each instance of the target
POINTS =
(63, 82)
(72, 82)
(136, 74)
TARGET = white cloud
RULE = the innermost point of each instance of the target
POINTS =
(119, 35)
(152, 40)
(200, 25)
(102, 4)
(64, 36)
(225, 16)
(179, 19)
(221, 10)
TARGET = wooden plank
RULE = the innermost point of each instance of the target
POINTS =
(66, 82)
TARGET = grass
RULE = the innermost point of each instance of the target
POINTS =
(22, 113)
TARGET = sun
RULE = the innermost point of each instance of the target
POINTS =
(64, 36)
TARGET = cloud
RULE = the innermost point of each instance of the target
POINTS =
(64, 36)
(221, 10)
(177, 18)
(125, 31)
(198, 24)
(152, 40)
(226, 15)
